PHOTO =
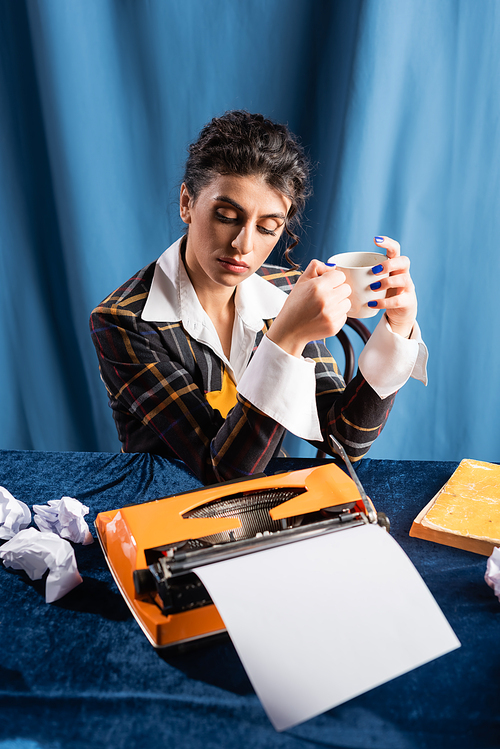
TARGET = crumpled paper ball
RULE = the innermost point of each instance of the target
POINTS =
(492, 575)
(65, 517)
(14, 515)
(35, 552)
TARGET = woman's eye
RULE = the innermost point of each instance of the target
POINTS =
(225, 219)
(267, 231)
(270, 227)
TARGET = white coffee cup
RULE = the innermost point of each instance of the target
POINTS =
(357, 267)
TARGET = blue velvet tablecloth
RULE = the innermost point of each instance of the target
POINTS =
(80, 673)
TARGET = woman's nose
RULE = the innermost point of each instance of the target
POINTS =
(243, 240)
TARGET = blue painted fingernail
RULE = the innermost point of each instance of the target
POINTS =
(331, 265)
(375, 286)
(378, 240)
(377, 269)
(372, 304)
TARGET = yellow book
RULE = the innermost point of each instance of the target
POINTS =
(465, 513)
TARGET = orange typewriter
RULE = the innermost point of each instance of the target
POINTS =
(153, 548)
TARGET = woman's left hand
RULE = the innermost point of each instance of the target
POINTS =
(400, 302)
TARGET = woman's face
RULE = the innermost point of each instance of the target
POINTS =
(233, 226)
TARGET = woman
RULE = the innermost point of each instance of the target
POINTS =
(209, 356)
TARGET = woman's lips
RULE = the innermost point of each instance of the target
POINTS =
(230, 264)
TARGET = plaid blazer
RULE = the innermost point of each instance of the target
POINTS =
(157, 378)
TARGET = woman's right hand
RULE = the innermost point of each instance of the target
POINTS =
(316, 308)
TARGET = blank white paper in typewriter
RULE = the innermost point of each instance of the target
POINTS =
(320, 621)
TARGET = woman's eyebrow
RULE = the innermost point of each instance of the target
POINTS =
(225, 199)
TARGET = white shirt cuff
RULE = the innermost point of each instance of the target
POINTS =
(388, 360)
(283, 387)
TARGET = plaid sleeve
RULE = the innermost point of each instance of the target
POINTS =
(157, 396)
(354, 414)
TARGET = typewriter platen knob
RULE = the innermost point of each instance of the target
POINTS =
(384, 521)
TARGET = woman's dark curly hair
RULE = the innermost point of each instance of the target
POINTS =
(247, 145)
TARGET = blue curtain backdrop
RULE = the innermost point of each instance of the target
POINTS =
(397, 102)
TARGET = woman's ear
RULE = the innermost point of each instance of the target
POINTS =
(185, 205)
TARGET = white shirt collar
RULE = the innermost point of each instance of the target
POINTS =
(172, 298)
